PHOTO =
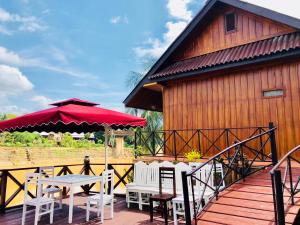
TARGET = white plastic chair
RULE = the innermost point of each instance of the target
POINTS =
(139, 180)
(33, 179)
(45, 172)
(178, 202)
(105, 196)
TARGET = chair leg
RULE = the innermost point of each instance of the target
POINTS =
(51, 212)
(37, 212)
(166, 212)
(151, 210)
(24, 214)
(175, 213)
(127, 199)
(60, 199)
(88, 211)
(102, 212)
(140, 201)
(112, 209)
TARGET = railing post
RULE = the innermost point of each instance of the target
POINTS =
(87, 167)
(3, 191)
(135, 144)
(164, 142)
(279, 205)
(291, 179)
(153, 143)
(227, 141)
(174, 144)
(273, 144)
(186, 198)
(261, 144)
(199, 142)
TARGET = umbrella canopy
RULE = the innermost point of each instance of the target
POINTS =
(72, 115)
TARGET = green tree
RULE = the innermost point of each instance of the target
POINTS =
(154, 119)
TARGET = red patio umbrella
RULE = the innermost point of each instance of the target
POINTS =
(73, 115)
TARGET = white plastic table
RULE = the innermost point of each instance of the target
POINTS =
(71, 181)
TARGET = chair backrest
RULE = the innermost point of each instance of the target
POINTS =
(217, 173)
(167, 174)
(195, 165)
(107, 183)
(140, 174)
(166, 164)
(152, 174)
(179, 168)
(32, 180)
(47, 171)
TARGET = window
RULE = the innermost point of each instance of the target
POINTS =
(273, 93)
(230, 22)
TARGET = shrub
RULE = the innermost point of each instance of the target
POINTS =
(192, 155)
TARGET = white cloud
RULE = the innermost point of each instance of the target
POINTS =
(42, 101)
(24, 23)
(14, 59)
(179, 9)
(9, 57)
(156, 46)
(13, 82)
(289, 7)
(119, 19)
(13, 109)
(180, 16)
(4, 30)
(115, 19)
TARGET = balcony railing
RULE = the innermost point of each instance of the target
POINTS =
(12, 180)
(208, 142)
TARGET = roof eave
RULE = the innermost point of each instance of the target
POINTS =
(232, 65)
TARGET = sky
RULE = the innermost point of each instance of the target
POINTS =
(52, 50)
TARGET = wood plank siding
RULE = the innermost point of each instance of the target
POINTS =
(212, 37)
(235, 99)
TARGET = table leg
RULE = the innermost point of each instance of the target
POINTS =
(71, 202)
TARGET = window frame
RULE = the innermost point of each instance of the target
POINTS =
(235, 22)
(274, 89)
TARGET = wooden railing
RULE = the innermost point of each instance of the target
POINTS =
(12, 180)
(174, 143)
(237, 161)
(285, 184)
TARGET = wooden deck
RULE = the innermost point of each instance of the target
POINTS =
(244, 203)
(122, 216)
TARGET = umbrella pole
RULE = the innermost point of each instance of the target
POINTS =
(105, 145)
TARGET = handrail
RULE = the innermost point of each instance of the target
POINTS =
(221, 128)
(280, 184)
(233, 165)
(284, 159)
(229, 148)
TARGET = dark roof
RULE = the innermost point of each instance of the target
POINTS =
(75, 101)
(285, 19)
(236, 54)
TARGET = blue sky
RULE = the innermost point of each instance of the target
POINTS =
(53, 50)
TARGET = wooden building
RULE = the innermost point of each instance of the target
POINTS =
(235, 65)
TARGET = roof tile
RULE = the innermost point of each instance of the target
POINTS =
(252, 50)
